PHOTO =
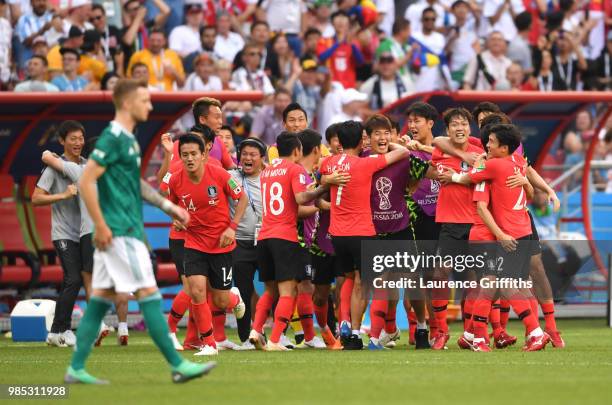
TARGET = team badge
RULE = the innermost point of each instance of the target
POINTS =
(464, 167)
(435, 186)
(212, 192)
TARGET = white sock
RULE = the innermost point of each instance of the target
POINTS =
(468, 336)
(356, 332)
(536, 332)
(478, 340)
(123, 328)
(421, 325)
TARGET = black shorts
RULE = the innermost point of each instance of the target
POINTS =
(244, 252)
(323, 269)
(453, 239)
(279, 260)
(177, 253)
(426, 232)
(305, 265)
(514, 264)
(87, 252)
(404, 234)
(348, 252)
(537, 247)
(216, 266)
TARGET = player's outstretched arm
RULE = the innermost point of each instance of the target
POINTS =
(93, 171)
(451, 176)
(305, 197)
(508, 242)
(538, 182)
(396, 153)
(446, 146)
(150, 195)
(306, 211)
(167, 145)
(335, 179)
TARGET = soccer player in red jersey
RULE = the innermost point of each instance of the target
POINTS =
(283, 190)
(510, 224)
(455, 211)
(351, 213)
(203, 190)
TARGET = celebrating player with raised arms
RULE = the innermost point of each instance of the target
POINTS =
(121, 260)
(203, 189)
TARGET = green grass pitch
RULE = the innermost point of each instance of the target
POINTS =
(580, 373)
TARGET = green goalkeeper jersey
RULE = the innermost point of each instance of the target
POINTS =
(119, 195)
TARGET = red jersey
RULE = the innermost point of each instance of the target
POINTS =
(479, 230)
(175, 167)
(351, 211)
(455, 203)
(207, 203)
(218, 151)
(342, 60)
(280, 182)
(509, 204)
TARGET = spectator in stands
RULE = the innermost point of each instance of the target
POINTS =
(604, 66)
(431, 46)
(321, 11)
(110, 39)
(414, 14)
(93, 62)
(488, 68)
(251, 77)
(31, 25)
(140, 71)
(568, 62)
(584, 126)
(387, 86)
(40, 47)
(54, 57)
(69, 80)
(208, 36)
(164, 64)
(185, 39)
(55, 34)
(386, 16)
(303, 85)
(515, 79)
(331, 103)
(501, 13)
(340, 54)
(136, 29)
(203, 78)
(6, 34)
(353, 103)
(284, 63)
(37, 77)
(544, 76)
(545, 219)
(78, 15)
(109, 81)
(268, 121)
(260, 35)
(55, 189)
(286, 17)
(462, 43)
(311, 40)
(519, 49)
(227, 43)
(227, 135)
(397, 45)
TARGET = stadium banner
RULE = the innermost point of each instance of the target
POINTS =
(394, 268)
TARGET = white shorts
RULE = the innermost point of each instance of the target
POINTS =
(124, 266)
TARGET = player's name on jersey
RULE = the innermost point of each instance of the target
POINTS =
(274, 172)
(405, 282)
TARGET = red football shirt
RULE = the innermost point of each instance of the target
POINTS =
(175, 167)
(280, 182)
(351, 212)
(455, 203)
(479, 230)
(207, 203)
(218, 151)
(508, 205)
(341, 63)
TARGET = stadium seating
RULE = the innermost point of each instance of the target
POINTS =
(20, 265)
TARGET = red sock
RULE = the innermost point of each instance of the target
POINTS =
(282, 316)
(234, 299)
(321, 314)
(262, 310)
(180, 304)
(468, 310)
(378, 311)
(533, 303)
(494, 318)
(345, 299)
(192, 329)
(305, 309)
(504, 313)
(390, 325)
(522, 308)
(480, 313)
(218, 322)
(440, 308)
(433, 327)
(203, 319)
(549, 316)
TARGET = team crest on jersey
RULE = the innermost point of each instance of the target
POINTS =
(435, 186)
(212, 192)
(302, 179)
(464, 167)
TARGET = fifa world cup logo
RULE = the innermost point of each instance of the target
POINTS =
(383, 186)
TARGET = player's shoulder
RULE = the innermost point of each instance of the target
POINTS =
(474, 147)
